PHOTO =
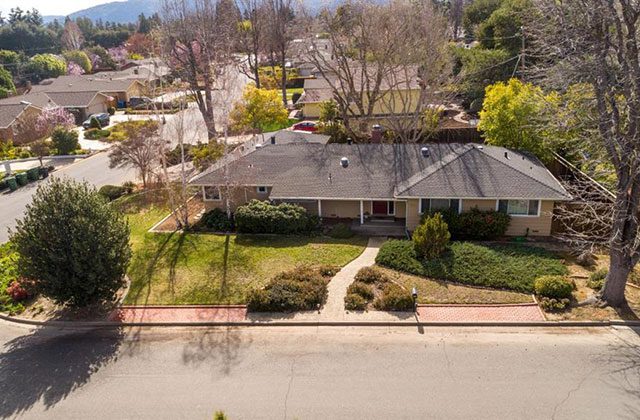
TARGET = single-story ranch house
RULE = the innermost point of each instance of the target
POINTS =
(392, 182)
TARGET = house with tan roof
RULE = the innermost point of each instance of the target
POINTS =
(11, 114)
(389, 185)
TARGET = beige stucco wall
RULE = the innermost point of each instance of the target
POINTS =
(413, 217)
(401, 209)
(340, 208)
(311, 110)
(483, 205)
(237, 197)
(538, 226)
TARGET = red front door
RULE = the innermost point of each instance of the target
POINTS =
(380, 207)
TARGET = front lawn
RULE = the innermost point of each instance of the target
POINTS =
(216, 269)
(503, 266)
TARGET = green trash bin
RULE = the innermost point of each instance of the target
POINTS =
(12, 183)
(33, 174)
(22, 179)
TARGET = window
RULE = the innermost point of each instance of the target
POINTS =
(435, 204)
(211, 193)
(391, 208)
(262, 190)
(519, 207)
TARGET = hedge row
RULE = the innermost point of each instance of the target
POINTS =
(264, 217)
(475, 224)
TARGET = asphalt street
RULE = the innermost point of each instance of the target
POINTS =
(321, 373)
(95, 170)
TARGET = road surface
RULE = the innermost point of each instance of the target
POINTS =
(94, 170)
(321, 373)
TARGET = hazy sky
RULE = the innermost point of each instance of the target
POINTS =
(50, 7)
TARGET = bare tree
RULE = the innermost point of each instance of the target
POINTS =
(596, 42)
(72, 38)
(280, 15)
(251, 36)
(388, 60)
(456, 12)
(139, 150)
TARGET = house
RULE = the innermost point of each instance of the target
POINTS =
(81, 104)
(394, 183)
(11, 115)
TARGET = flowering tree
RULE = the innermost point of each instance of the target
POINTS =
(52, 117)
(73, 69)
(118, 54)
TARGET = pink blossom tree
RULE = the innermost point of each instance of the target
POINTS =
(52, 117)
(73, 69)
(118, 54)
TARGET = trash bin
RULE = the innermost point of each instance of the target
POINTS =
(22, 179)
(33, 174)
(12, 183)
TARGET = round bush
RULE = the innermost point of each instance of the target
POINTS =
(300, 289)
(215, 220)
(354, 302)
(394, 298)
(554, 287)
(371, 275)
(328, 270)
(399, 255)
(554, 305)
(264, 217)
(362, 289)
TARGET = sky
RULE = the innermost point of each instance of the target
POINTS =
(50, 7)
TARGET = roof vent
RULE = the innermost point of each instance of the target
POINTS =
(273, 139)
(506, 155)
(25, 103)
(344, 162)
(349, 141)
(425, 151)
(258, 146)
(480, 147)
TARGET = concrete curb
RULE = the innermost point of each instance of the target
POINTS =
(111, 325)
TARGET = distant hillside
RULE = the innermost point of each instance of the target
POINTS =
(117, 11)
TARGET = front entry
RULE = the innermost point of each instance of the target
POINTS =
(380, 208)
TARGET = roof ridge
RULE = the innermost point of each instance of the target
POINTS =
(421, 175)
(563, 191)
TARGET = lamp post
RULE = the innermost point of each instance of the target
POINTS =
(414, 295)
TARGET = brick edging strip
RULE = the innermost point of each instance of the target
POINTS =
(109, 324)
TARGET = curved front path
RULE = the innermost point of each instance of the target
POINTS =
(334, 308)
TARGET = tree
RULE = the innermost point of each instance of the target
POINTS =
(252, 32)
(52, 117)
(477, 12)
(40, 149)
(6, 82)
(11, 60)
(140, 44)
(258, 108)
(431, 237)
(511, 117)
(72, 245)
(597, 43)
(141, 149)
(280, 15)
(503, 28)
(72, 38)
(80, 58)
(45, 66)
(64, 141)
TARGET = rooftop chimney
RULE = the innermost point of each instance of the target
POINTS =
(344, 162)
(425, 151)
(376, 134)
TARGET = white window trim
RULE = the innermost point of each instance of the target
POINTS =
(420, 209)
(394, 208)
(522, 215)
(204, 195)
(266, 189)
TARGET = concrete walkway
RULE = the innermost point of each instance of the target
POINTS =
(334, 308)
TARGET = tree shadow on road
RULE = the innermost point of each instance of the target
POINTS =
(218, 348)
(623, 364)
(48, 366)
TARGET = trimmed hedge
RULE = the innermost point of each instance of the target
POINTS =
(504, 266)
(301, 289)
(96, 134)
(554, 287)
(475, 224)
(263, 217)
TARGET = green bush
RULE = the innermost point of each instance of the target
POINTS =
(431, 237)
(554, 305)
(371, 275)
(96, 134)
(263, 217)
(95, 123)
(64, 141)
(394, 298)
(340, 231)
(111, 110)
(597, 278)
(328, 270)
(475, 224)
(33, 174)
(508, 266)
(112, 192)
(554, 287)
(362, 289)
(301, 289)
(22, 179)
(354, 302)
(399, 255)
(8, 276)
(215, 220)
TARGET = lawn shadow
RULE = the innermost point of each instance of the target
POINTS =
(48, 366)
(623, 368)
(626, 312)
(217, 348)
(288, 241)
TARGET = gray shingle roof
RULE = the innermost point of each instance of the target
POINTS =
(9, 112)
(73, 99)
(386, 171)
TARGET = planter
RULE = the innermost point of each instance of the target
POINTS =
(33, 174)
(22, 179)
(12, 183)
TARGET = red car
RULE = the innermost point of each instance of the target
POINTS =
(309, 126)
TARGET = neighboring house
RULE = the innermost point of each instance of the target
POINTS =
(369, 183)
(10, 117)
(81, 104)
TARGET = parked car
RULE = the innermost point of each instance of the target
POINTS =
(309, 126)
(103, 118)
(140, 102)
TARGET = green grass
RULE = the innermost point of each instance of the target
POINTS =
(216, 269)
(275, 127)
(502, 266)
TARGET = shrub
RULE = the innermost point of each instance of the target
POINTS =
(263, 217)
(112, 192)
(340, 231)
(111, 110)
(328, 270)
(18, 291)
(95, 123)
(371, 275)
(362, 289)
(215, 220)
(399, 255)
(554, 287)
(553, 305)
(431, 238)
(597, 278)
(354, 302)
(300, 289)
(394, 298)
(475, 224)
(96, 134)
(73, 244)
(65, 141)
